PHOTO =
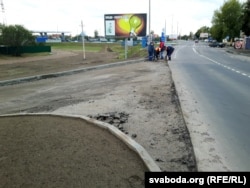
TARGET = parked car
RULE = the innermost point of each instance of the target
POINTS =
(221, 44)
(213, 44)
(217, 44)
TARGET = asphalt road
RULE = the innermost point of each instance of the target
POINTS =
(214, 90)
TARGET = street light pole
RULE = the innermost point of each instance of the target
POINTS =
(172, 25)
(165, 42)
(149, 17)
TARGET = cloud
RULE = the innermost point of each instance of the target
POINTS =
(65, 15)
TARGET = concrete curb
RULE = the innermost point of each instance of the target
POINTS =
(143, 154)
(65, 73)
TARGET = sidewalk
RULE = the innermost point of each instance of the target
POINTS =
(245, 52)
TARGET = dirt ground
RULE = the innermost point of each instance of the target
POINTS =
(147, 106)
(50, 151)
(57, 61)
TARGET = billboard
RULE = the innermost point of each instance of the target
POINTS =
(125, 25)
(203, 35)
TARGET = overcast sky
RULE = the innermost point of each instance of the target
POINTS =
(182, 16)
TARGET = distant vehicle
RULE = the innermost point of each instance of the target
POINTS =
(103, 40)
(196, 41)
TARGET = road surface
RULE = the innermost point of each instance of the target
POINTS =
(214, 90)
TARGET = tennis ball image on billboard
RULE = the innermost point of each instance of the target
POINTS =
(125, 25)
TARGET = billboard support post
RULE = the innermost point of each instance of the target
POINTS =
(126, 47)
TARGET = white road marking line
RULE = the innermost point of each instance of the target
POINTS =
(227, 67)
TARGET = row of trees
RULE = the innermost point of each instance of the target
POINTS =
(228, 21)
(16, 36)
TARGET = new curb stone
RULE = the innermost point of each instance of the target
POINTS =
(65, 73)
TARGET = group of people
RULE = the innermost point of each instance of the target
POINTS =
(156, 53)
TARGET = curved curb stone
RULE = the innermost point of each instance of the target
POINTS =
(143, 154)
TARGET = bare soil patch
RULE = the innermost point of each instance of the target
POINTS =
(41, 151)
(57, 61)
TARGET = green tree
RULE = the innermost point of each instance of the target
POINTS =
(191, 35)
(203, 29)
(96, 34)
(245, 18)
(217, 26)
(17, 36)
(1, 30)
(1, 27)
(226, 21)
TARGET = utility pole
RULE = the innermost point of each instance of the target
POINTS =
(177, 30)
(83, 46)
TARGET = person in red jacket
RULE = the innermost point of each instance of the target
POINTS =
(162, 46)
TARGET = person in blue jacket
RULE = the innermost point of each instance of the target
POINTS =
(169, 50)
(151, 49)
